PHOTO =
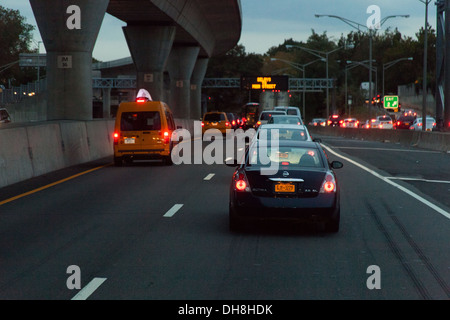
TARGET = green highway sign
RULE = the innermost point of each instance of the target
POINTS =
(391, 102)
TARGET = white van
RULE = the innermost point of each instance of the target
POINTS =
(290, 111)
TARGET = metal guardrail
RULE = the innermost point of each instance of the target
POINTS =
(118, 83)
(17, 94)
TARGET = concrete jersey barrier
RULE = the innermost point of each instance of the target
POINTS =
(36, 149)
(436, 141)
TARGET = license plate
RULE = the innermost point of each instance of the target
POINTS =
(285, 188)
(130, 141)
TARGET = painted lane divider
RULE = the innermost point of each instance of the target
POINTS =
(209, 177)
(173, 210)
(389, 181)
(87, 291)
(51, 185)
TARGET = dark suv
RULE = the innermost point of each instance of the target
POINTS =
(335, 121)
(405, 121)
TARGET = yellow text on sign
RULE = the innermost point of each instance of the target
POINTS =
(264, 84)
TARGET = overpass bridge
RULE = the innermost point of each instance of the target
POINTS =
(175, 37)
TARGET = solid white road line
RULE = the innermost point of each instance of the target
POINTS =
(86, 292)
(172, 211)
(418, 179)
(209, 177)
(387, 149)
(387, 180)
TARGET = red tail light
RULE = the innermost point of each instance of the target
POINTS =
(166, 136)
(116, 138)
(227, 124)
(241, 183)
(234, 123)
(203, 124)
(141, 100)
(329, 184)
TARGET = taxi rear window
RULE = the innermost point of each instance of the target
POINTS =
(140, 121)
(214, 117)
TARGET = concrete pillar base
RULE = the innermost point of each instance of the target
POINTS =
(181, 65)
(150, 48)
(198, 76)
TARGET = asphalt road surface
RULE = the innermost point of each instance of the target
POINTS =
(151, 232)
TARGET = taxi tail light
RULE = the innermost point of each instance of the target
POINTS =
(227, 124)
(329, 184)
(203, 124)
(241, 182)
(116, 138)
(166, 136)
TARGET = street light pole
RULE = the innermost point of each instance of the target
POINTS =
(387, 65)
(321, 55)
(425, 67)
(357, 26)
(302, 68)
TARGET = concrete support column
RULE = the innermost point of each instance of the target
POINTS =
(69, 30)
(181, 65)
(106, 95)
(198, 75)
(150, 48)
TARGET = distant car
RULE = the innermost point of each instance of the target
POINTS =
(265, 116)
(292, 111)
(350, 123)
(410, 112)
(405, 121)
(384, 122)
(4, 116)
(418, 124)
(284, 119)
(234, 120)
(283, 132)
(216, 120)
(316, 122)
(366, 125)
(335, 121)
(302, 187)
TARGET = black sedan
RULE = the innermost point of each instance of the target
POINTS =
(287, 180)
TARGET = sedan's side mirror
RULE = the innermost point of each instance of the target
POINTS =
(336, 165)
(317, 140)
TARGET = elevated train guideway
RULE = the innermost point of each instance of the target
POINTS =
(178, 36)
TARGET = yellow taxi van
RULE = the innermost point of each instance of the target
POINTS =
(216, 120)
(143, 131)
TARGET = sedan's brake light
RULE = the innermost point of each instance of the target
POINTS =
(329, 184)
(241, 183)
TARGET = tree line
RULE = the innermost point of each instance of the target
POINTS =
(388, 46)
